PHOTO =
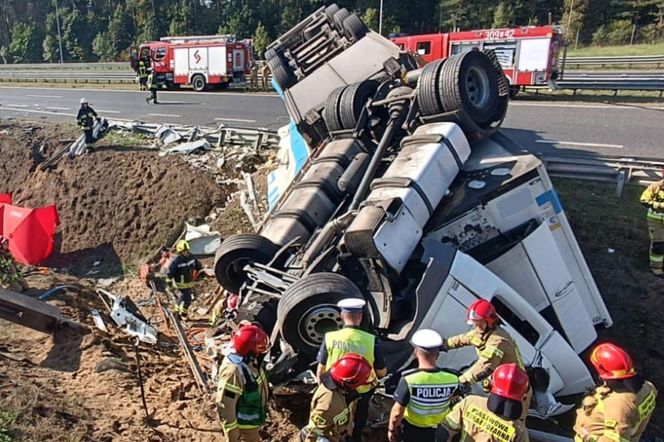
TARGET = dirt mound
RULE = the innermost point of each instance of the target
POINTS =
(115, 204)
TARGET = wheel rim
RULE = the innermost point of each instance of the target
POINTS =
(316, 322)
(198, 83)
(477, 87)
(235, 270)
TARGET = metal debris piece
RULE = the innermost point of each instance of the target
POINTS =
(128, 317)
(167, 136)
(99, 322)
(199, 375)
(202, 240)
(248, 210)
(187, 148)
(32, 313)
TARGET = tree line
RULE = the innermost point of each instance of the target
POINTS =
(103, 30)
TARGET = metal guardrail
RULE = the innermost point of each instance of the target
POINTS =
(615, 81)
(611, 169)
(627, 60)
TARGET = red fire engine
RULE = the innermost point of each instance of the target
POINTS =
(201, 61)
(529, 55)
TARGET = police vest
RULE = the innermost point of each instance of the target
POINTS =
(430, 394)
(350, 340)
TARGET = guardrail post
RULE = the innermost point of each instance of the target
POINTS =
(620, 182)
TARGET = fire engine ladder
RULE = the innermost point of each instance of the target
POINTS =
(225, 38)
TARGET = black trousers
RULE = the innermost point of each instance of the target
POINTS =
(185, 298)
(411, 433)
(89, 139)
(361, 415)
(153, 95)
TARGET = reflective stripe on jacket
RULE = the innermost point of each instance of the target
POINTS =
(429, 399)
(653, 198)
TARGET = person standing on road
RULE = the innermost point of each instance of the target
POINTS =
(183, 271)
(619, 409)
(265, 76)
(253, 77)
(492, 419)
(422, 397)
(153, 86)
(10, 275)
(142, 75)
(86, 119)
(331, 416)
(352, 339)
(242, 387)
(653, 199)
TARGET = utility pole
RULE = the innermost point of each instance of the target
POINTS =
(57, 21)
(380, 19)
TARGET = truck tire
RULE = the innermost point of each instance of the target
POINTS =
(339, 17)
(198, 83)
(354, 28)
(330, 11)
(353, 99)
(427, 89)
(282, 72)
(331, 110)
(308, 309)
(270, 54)
(235, 252)
(469, 81)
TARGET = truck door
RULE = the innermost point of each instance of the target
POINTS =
(239, 60)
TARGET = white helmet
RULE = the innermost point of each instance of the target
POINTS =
(84, 100)
(427, 339)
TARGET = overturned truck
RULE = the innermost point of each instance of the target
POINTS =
(412, 200)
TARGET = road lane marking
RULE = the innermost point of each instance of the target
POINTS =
(59, 114)
(108, 111)
(566, 105)
(57, 108)
(128, 91)
(17, 105)
(576, 143)
(44, 96)
(239, 120)
(166, 115)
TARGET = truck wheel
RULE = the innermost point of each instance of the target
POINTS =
(353, 99)
(270, 54)
(282, 72)
(308, 309)
(339, 17)
(354, 28)
(427, 89)
(469, 81)
(198, 83)
(331, 110)
(330, 11)
(237, 251)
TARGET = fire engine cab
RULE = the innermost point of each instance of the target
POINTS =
(528, 55)
(199, 61)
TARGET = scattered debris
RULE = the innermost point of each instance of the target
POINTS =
(111, 364)
(187, 148)
(127, 316)
(202, 240)
(165, 135)
(99, 322)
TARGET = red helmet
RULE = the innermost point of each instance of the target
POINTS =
(250, 338)
(482, 309)
(509, 381)
(612, 362)
(351, 371)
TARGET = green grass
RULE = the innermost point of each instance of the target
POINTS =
(603, 51)
(7, 418)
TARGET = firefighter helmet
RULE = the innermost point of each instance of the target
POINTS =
(182, 246)
(612, 362)
(351, 371)
(509, 381)
(250, 338)
(482, 309)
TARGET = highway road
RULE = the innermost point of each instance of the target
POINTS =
(573, 128)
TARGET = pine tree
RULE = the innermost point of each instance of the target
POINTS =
(25, 44)
(503, 16)
(260, 40)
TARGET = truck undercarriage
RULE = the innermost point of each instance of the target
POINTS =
(412, 200)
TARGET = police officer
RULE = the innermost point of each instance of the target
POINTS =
(653, 199)
(619, 409)
(492, 419)
(183, 271)
(351, 339)
(422, 398)
(153, 86)
(85, 119)
(331, 416)
(243, 390)
(10, 275)
(142, 75)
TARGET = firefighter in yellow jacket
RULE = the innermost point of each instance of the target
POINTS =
(331, 413)
(653, 198)
(243, 390)
(618, 410)
(492, 419)
(422, 398)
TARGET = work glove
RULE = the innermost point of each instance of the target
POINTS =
(464, 388)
